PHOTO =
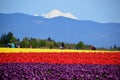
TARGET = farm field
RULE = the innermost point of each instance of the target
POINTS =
(55, 64)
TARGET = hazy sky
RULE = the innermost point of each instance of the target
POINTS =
(95, 10)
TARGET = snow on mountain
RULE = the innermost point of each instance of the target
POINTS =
(57, 13)
(35, 14)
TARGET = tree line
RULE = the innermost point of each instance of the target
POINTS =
(9, 40)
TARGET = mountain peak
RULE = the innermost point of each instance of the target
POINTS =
(57, 13)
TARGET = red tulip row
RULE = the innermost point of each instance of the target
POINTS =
(62, 57)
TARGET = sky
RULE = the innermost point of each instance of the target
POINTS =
(94, 10)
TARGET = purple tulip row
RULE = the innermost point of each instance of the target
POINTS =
(45, 71)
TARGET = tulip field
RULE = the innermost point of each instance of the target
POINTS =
(58, 64)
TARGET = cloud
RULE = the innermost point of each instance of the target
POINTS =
(57, 13)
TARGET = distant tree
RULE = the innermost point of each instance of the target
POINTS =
(11, 38)
(50, 42)
(115, 47)
(49, 39)
(87, 46)
(42, 43)
(7, 39)
(3, 40)
(80, 45)
(25, 43)
(55, 44)
(33, 43)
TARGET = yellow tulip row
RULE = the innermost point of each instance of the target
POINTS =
(44, 50)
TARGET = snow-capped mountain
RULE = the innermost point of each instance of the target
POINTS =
(61, 29)
(57, 13)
